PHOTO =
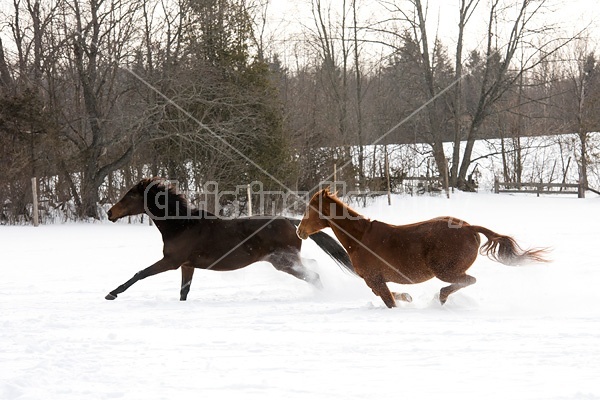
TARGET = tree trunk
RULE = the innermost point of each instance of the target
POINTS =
(583, 178)
(466, 9)
(359, 130)
(5, 78)
(518, 160)
(466, 162)
(89, 199)
(440, 160)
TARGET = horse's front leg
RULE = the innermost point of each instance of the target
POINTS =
(380, 288)
(160, 266)
(187, 272)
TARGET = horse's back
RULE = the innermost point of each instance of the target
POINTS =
(441, 234)
(416, 252)
(270, 229)
(223, 244)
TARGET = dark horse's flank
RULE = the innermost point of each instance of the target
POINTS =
(444, 247)
(198, 239)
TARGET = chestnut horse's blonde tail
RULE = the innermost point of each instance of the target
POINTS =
(505, 249)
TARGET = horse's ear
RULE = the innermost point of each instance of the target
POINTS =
(143, 183)
(328, 192)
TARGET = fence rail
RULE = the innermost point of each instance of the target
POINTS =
(540, 188)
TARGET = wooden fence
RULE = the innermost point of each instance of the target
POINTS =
(540, 188)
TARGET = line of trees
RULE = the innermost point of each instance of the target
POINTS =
(98, 93)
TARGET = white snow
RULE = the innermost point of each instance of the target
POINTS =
(519, 333)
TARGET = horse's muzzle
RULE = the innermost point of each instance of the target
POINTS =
(301, 234)
(112, 217)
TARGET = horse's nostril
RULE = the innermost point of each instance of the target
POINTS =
(109, 213)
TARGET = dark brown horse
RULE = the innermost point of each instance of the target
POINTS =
(444, 247)
(198, 239)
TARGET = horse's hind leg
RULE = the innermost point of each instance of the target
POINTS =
(187, 272)
(458, 283)
(314, 277)
(291, 263)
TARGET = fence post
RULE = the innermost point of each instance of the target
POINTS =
(36, 220)
(496, 185)
(334, 178)
(249, 189)
(581, 190)
(447, 179)
(387, 176)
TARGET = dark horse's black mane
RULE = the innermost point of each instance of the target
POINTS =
(176, 203)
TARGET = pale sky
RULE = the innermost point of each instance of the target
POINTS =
(286, 17)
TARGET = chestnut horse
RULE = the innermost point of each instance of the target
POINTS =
(198, 239)
(443, 247)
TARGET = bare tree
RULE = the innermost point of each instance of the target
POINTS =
(500, 70)
(580, 101)
(99, 36)
(433, 68)
(490, 76)
(25, 120)
(466, 9)
(359, 99)
(335, 64)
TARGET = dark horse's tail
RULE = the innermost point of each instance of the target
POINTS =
(330, 246)
(505, 249)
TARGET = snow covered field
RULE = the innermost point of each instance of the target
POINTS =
(519, 333)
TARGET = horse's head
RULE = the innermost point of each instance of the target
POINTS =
(133, 202)
(314, 218)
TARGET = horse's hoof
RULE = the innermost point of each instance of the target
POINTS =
(110, 296)
(403, 297)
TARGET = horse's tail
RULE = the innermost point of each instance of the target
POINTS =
(331, 247)
(505, 249)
